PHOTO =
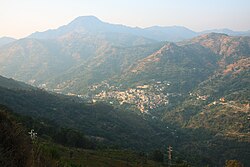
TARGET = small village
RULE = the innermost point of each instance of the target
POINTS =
(143, 97)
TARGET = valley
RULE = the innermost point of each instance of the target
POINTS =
(107, 94)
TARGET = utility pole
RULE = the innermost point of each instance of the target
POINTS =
(169, 155)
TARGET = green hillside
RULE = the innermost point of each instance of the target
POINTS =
(18, 149)
(98, 126)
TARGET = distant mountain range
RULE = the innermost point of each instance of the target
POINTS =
(91, 24)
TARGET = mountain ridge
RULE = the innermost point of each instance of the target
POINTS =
(91, 24)
(6, 40)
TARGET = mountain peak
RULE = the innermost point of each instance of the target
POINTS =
(83, 20)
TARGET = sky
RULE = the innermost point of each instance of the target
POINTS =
(19, 18)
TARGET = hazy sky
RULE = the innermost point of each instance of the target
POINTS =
(19, 18)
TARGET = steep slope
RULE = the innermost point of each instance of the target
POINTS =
(221, 102)
(193, 61)
(183, 65)
(229, 101)
(230, 48)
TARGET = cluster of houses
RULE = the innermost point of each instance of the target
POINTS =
(143, 97)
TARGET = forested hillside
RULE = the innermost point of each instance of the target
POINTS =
(54, 117)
